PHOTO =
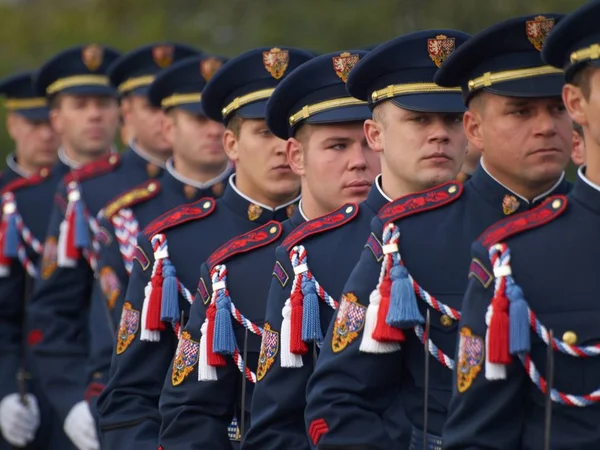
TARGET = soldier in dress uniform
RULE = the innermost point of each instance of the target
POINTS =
(539, 289)
(132, 74)
(84, 112)
(26, 418)
(517, 118)
(28, 125)
(412, 117)
(326, 146)
(171, 249)
(202, 170)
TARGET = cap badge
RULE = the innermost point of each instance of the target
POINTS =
(343, 64)
(276, 62)
(537, 31)
(163, 55)
(92, 56)
(440, 48)
(209, 66)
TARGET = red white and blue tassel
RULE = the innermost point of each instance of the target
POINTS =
(152, 324)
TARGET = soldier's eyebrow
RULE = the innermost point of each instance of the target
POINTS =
(331, 140)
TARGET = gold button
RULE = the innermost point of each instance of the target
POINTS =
(556, 204)
(44, 173)
(452, 189)
(349, 209)
(151, 187)
(97, 375)
(113, 159)
(446, 321)
(569, 338)
(272, 230)
(206, 205)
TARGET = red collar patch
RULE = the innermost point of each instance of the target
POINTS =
(94, 169)
(20, 183)
(321, 224)
(409, 205)
(181, 214)
(246, 242)
(548, 211)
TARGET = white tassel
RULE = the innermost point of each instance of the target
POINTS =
(288, 359)
(62, 260)
(206, 372)
(493, 371)
(148, 335)
(368, 344)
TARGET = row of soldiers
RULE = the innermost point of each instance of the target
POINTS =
(183, 295)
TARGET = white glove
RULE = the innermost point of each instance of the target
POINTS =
(19, 422)
(80, 427)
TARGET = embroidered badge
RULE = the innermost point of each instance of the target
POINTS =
(189, 191)
(374, 245)
(209, 66)
(510, 204)
(478, 270)
(163, 55)
(218, 189)
(349, 321)
(92, 57)
(186, 357)
(128, 327)
(276, 62)
(548, 211)
(254, 212)
(268, 350)
(152, 170)
(203, 291)
(49, 258)
(343, 64)
(537, 31)
(440, 48)
(471, 352)
(280, 273)
(140, 256)
(110, 285)
(290, 210)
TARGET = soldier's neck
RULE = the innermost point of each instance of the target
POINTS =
(311, 209)
(158, 158)
(201, 173)
(250, 189)
(80, 157)
(592, 164)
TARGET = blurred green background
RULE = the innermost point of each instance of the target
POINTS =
(33, 30)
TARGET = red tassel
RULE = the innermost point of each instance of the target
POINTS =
(213, 359)
(153, 322)
(297, 345)
(71, 251)
(4, 261)
(498, 332)
(384, 332)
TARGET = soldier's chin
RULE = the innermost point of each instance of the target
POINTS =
(439, 175)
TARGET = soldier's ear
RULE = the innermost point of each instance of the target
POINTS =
(374, 134)
(56, 120)
(473, 128)
(576, 103)
(230, 145)
(295, 155)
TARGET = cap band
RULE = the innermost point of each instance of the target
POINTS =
(489, 78)
(591, 52)
(180, 99)
(326, 105)
(25, 103)
(77, 80)
(133, 83)
(242, 100)
(394, 90)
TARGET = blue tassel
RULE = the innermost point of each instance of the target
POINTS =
(82, 232)
(311, 323)
(520, 338)
(403, 312)
(223, 338)
(11, 237)
(169, 310)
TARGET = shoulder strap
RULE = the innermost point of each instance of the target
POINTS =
(140, 193)
(419, 202)
(321, 224)
(181, 214)
(20, 183)
(246, 242)
(94, 169)
(548, 211)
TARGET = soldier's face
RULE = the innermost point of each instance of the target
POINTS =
(145, 124)
(524, 140)
(86, 124)
(420, 150)
(263, 171)
(335, 162)
(35, 141)
(196, 140)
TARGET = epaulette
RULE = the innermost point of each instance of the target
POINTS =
(20, 183)
(259, 237)
(94, 169)
(181, 214)
(548, 211)
(140, 193)
(419, 202)
(321, 224)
